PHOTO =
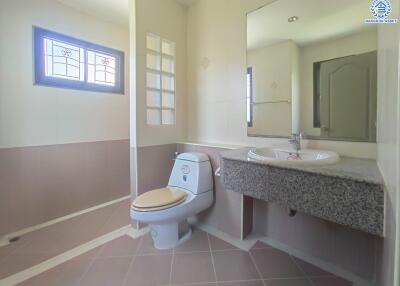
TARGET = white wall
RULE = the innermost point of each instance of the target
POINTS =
(217, 78)
(167, 19)
(36, 115)
(389, 143)
(362, 42)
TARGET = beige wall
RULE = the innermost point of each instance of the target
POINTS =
(36, 115)
(362, 42)
(167, 19)
(389, 143)
(216, 78)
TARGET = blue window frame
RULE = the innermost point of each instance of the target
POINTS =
(66, 62)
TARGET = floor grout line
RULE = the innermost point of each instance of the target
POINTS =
(302, 270)
(212, 260)
(131, 263)
(256, 266)
(172, 265)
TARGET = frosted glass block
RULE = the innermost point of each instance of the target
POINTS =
(168, 82)
(168, 65)
(153, 116)
(153, 99)
(168, 117)
(153, 61)
(168, 48)
(168, 100)
(153, 42)
(153, 80)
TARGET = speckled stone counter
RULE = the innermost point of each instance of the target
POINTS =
(349, 192)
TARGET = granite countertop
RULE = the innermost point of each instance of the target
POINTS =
(362, 170)
(349, 192)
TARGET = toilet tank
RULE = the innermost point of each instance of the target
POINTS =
(192, 172)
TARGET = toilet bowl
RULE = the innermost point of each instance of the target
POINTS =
(189, 191)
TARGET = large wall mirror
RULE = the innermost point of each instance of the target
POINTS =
(312, 68)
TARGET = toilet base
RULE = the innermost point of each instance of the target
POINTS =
(166, 236)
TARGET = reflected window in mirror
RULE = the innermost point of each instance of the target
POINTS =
(249, 97)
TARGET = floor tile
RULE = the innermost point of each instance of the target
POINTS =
(289, 282)
(219, 244)
(66, 274)
(197, 284)
(115, 222)
(124, 246)
(330, 281)
(197, 242)
(260, 245)
(234, 265)
(18, 262)
(106, 272)
(242, 283)
(273, 263)
(310, 269)
(146, 246)
(195, 267)
(150, 270)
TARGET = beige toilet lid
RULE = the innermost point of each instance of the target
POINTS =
(159, 199)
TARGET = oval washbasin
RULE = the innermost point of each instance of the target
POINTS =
(290, 157)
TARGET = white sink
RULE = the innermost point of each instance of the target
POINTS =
(290, 157)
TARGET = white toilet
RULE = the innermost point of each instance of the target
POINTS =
(189, 191)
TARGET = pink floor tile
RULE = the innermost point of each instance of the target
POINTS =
(289, 282)
(219, 244)
(124, 246)
(149, 270)
(106, 272)
(194, 267)
(234, 265)
(273, 263)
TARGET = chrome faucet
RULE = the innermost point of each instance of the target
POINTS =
(295, 141)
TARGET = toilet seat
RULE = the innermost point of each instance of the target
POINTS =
(159, 199)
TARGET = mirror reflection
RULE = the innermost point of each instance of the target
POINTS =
(312, 69)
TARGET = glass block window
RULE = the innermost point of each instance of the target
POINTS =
(63, 61)
(160, 80)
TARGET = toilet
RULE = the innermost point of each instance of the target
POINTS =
(189, 191)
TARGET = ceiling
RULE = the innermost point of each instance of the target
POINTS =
(318, 20)
(115, 11)
(186, 2)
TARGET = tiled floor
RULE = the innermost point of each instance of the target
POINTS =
(203, 260)
(46, 243)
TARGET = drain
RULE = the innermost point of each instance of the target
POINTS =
(14, 239)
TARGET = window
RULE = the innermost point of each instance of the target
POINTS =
(63, 61)
(160, 80)
(249, 97)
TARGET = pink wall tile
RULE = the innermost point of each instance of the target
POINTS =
(45, 182)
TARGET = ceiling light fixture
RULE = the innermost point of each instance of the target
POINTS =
(293, 19)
